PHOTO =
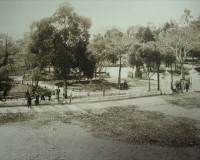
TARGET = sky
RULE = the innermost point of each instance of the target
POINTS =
(16, 16)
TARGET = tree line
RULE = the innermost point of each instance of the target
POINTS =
(62, 42)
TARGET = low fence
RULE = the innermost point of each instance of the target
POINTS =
(115, 97)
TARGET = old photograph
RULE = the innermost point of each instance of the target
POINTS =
(99, 80)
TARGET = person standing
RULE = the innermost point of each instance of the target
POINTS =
(42, 96)
(187, 86)
(58, 93)
(177, 86)
(37, 99)
(27, 93)
(29, 101)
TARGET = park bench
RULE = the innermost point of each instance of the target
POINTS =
(77, 87)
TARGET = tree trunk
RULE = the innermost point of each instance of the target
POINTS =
(6, 53)
(95, 73)
(37, 83)
(171, 74)
(175, 66)
(182, 71)
(158, 77)
(65, 87)
(49, 69)
(120, 67)
(149, 84)
(138, 73)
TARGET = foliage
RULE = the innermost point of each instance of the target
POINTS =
(61, 40)
(97, 47)
(8, 49)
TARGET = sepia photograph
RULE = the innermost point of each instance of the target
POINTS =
(99, 80)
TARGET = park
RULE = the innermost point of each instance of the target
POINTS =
(119, 94)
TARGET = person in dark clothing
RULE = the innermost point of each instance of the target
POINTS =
(37, 99)
(29, 101)
(42, 97)
(177, 86)
(125, 85)
(58, 93)
(5, 93)
(33, 90)
(27, 93)
(187, 86)
(49, 96)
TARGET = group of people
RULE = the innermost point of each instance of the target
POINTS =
(124, 86)
(179, 85)
(41, 96)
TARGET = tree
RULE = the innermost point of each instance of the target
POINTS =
(97, 48)
(8, 49)
(135, 59)
(70, 31)
(116, 46)
(85, 61)
(151, 54)
(42, 33)
(148, 36)
(60, 41)
(137, 37)
(180, 41)
(36, 76)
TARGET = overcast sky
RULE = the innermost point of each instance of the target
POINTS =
(17, 15)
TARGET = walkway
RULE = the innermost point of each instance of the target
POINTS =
(156, 103)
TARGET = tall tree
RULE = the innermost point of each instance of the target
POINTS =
(70, 31)
(42, 33)
(8, 48)
(180, 41)
(116, 45)
(97, 47)
(151, 54)
(135, 59)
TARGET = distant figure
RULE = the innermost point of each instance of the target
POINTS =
(58, 93)
(42, 97)
(37, 99)
(33, 90)
(5, 93)
(49, 96)
(63, 101)
(45, 90)
(27, 93)
(29, 101)
(125, 85)
(177, 86)
(187, 86)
